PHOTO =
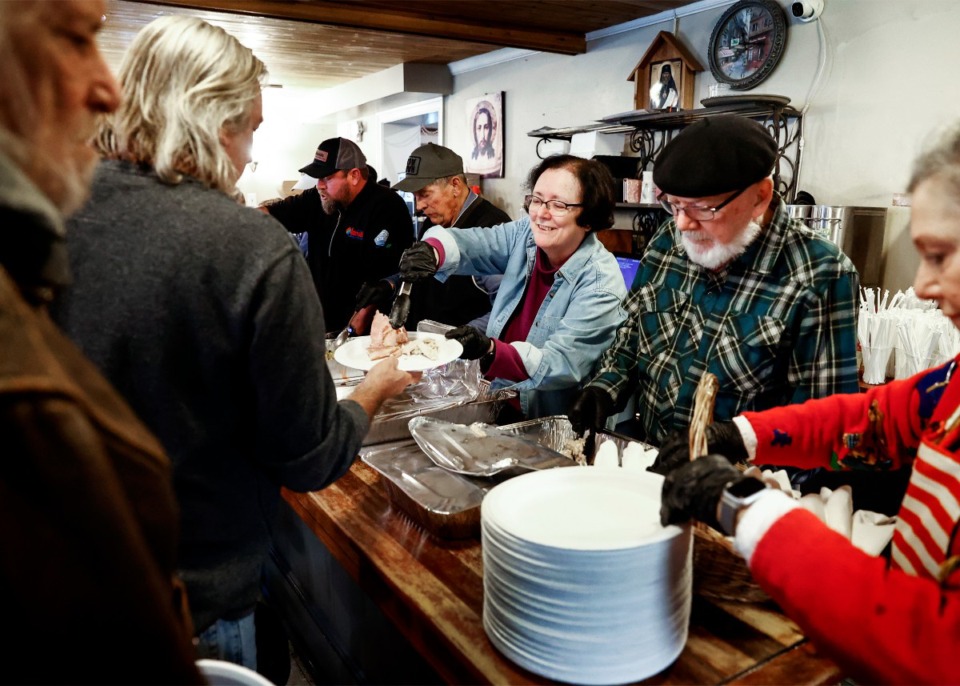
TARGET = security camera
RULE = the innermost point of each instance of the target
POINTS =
(807, 10)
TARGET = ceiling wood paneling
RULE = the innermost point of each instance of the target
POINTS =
(325, 43)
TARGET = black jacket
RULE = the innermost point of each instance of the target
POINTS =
(459, 300)
(362, 243)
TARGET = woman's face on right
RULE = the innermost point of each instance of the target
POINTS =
(935, 230)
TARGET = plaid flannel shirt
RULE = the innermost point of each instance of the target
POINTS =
(777, 326)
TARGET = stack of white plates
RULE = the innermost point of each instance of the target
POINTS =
(581, 582)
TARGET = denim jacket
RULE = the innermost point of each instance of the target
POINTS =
(576, 321)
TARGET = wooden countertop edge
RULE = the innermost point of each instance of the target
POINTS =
(388, 583)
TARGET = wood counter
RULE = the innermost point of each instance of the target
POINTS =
(432, 591)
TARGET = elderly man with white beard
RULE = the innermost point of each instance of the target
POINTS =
(729, 285)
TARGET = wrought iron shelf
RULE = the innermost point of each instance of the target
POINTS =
(651, 131)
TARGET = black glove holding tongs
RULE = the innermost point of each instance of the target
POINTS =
(588, 415)
(417, 263)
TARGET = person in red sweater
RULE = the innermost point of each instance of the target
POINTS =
(893, 620)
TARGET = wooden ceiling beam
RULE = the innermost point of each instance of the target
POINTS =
(355, 15)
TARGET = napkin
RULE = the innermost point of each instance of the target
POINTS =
(872, 531)
(607, 455)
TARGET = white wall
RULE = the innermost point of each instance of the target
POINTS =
(285, 141)
(886, 86)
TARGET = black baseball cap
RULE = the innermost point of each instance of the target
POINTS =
(334, 154)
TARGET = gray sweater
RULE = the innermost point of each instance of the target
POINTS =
(204, 316)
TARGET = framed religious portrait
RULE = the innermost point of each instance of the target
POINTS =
(666, 85)
(747, 42)
(485, 123)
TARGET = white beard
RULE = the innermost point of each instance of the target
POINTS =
(714, 255)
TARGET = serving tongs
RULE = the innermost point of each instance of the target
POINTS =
(401, 306)
(348, 331)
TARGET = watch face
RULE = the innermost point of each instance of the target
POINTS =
(747, 43)
(745, 487)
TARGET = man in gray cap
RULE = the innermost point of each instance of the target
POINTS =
(729, 285)
(356, 230)
(434, 175)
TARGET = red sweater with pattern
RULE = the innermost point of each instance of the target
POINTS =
(883, 622)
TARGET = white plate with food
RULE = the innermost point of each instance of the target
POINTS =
(423, 351)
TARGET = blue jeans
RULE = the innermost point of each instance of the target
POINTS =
(234, 641)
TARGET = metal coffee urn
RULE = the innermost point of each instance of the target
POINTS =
(857, 231)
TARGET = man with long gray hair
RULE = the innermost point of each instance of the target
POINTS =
(88, 519)
(204, 315)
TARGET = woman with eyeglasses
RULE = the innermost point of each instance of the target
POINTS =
(559, 303)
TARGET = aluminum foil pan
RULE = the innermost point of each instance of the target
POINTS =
(445, 504)
(482, 449)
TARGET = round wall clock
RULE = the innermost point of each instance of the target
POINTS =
(747, 43)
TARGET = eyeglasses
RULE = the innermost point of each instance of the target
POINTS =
(698, 214)
(558, 208)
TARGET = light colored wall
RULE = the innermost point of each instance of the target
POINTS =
(285, 141)
(884, 90)
(886, 86)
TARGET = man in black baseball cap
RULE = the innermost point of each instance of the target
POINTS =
(434, 174)
(332, 155)
(730, 285)
(356, 230)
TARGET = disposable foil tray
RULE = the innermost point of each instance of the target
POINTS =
(392, 426)
(445, 504)
(557, 433)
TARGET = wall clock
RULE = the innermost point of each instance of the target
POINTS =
(747, 43)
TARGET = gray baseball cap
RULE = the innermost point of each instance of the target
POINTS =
(426, 164)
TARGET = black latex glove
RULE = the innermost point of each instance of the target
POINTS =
(418, 262)
(723, 438)
(693, 490)
(378, 293)
(475, 343)
(590, 410)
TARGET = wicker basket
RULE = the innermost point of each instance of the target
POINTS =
(718, 570)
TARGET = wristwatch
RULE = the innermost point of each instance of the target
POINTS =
(736, 496)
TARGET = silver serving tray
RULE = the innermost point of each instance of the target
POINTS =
(445, 504)
(482, 449)
(393, 425)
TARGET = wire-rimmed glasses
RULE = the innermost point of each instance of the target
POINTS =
(698, 214)
(558, 208)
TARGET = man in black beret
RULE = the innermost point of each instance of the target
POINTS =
(729, 285)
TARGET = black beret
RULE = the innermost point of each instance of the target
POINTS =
(713, 156)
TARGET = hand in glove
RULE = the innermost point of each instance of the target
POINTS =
(723, 438)
(693, 491)
(377, 293)
(590, 410)
(475, 343)
(418, 262)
